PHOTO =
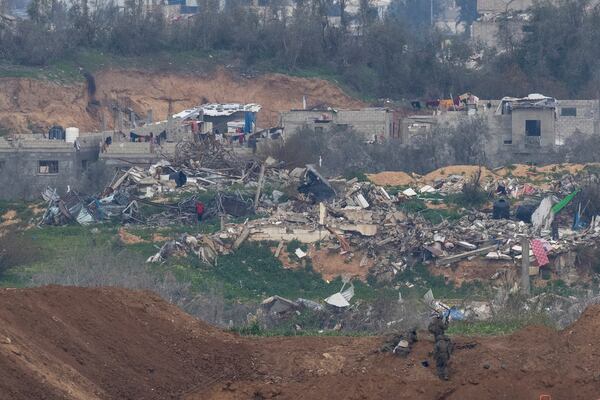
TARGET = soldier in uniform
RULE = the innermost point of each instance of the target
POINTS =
(400, 343)
(443, 346)
(441, 352)
(438, 326)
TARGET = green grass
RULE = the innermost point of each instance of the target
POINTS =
(423, 280)
(50, 246)
(503, 326)
(67, 69)
(255, 330)
(252, 272)
(433, 215)
(476, 198)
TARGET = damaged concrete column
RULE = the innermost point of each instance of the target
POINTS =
(525, 266)
(261, 179)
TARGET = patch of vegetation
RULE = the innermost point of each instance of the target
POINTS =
(356, 174)
(254, 329)
(413, 205)
(436, 216)
(433, 215)
(500, 326)
(295, 244)
(423, 279)
(559, 287)
(253, 272)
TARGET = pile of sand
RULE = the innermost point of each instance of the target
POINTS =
(464, 170)
(391, 178)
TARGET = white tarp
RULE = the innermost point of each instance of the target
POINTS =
(409, 192)
(337, 300)
(218, 110)
(542, 216)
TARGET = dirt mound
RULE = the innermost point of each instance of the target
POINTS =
(28, 103)
(465, 170)
(528, 171)
(391, 178)
(76, 343)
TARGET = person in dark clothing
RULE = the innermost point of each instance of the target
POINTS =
(443, 346)
(199, 210)
(554, 228)
(438, 326)
(400, 343)
(252, 144)
(441, 352)
(501, 189)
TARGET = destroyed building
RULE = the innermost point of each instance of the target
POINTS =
(60, 158)
(371, 123)
(510, 15)
(528, 128)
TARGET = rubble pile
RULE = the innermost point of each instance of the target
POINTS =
(347, 217)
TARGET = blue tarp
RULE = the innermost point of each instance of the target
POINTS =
(249, 119)
(454, 314)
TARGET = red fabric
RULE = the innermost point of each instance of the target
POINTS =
(199, 208)
(537, 246)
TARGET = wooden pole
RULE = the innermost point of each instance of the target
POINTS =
(525, 266)
(260, 184)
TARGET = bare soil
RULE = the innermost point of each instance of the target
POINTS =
(29, 103)
(391, 178)
(129, 238)
(331, 265)
(466, 170)
(78, 343)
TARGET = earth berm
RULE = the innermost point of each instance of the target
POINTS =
(107, 343)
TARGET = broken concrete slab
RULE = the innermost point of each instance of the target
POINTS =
(363, 229)
(279, 233)
(458, 257)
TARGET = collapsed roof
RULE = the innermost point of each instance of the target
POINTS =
(533, 100)
(218, 110)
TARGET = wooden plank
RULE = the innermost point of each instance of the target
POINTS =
(461, 256)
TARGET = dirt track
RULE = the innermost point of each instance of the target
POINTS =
(29, 103)
(74, 343)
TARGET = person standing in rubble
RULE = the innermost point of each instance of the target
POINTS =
(199, 210)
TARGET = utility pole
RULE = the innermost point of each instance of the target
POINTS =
(525, 266)
(431, 12)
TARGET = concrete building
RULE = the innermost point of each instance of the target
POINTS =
(499, 6)
(521, 129)
(486, 29)
(369, 122)
(29, 164)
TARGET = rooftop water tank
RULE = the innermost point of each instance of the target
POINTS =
(71, 134)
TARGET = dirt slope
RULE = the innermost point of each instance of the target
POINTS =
(28, 103)
(73, 343)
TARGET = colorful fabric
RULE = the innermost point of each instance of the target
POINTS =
(537, 246)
